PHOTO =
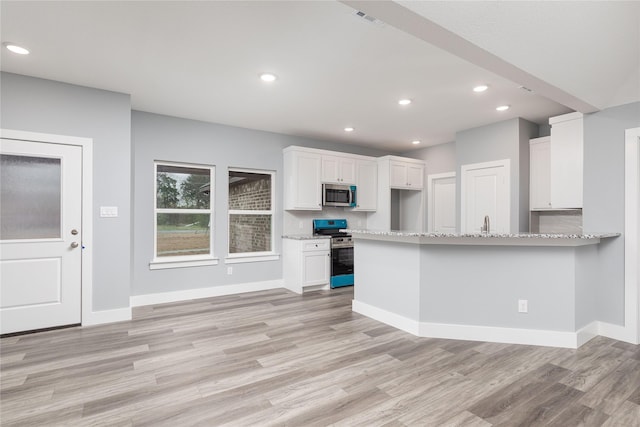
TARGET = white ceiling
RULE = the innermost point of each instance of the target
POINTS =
(201, 60)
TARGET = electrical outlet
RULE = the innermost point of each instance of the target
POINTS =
(229, 271)
(523, 306)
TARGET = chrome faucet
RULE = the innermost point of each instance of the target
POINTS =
(486, 227)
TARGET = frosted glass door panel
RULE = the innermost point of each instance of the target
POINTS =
(30, 197)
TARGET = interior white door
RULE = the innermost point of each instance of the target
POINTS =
(485, 192)
(442, 203)
(40, 235)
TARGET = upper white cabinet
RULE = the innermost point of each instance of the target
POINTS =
(406, 175)
(566, 161)
(338, 170)
(306, 169)
(400, 195)
(366, 185)
(303, 189)
(540, 173)
(556, 165)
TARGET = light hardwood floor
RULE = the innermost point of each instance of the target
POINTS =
(277, 358)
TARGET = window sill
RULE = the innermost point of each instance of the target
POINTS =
(161, 265)
(251, 258)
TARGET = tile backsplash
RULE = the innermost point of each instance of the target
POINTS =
(561, 221)
(294, 219)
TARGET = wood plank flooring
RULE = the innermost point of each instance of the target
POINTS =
(274, 358)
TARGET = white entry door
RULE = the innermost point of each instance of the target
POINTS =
(40, 235)
(485, 191)
(442, 203)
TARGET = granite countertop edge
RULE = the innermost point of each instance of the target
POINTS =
(584, 236)
(304, 237)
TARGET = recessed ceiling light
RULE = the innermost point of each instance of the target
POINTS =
(404, 101)
(415, 142)
(502, 108)
(480, 88)
(16, 49)
(349, 129)
(268, 77)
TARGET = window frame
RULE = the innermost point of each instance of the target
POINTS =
(177, 261)
(272, 255)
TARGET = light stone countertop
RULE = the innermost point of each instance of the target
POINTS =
(509, 239)
(304, 237)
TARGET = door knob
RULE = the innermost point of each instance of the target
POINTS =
(74, 231)
(74, 244)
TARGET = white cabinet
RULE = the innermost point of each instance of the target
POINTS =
(338, 170)
(366, 185)
(303, 189)
(566, 161)
(306, 169)
(540, 173)
(556, 164)
(307, 263)
(408, 176)
(400, 204)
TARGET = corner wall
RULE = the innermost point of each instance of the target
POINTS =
(603, 210)
(438, 158)
(497, 141)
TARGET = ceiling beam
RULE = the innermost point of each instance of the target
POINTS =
(418, 26)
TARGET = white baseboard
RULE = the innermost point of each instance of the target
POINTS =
(499, 334)
(214, 291)
(587, 333)
(476, 333)
(617, 332)
(384, 316)
(106, 316)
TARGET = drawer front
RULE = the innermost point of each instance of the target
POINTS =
(315, 245)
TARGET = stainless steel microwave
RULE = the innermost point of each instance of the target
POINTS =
(339, 195)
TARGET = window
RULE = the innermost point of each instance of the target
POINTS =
(183, 214)
(251, 195)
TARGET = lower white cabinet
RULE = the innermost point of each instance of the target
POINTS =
(307, 263)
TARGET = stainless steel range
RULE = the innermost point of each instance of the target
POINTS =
(341, 250)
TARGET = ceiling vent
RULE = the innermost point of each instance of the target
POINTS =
(368, 18)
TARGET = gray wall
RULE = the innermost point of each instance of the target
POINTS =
(157, 137)
(439, 158)
(473, 298)
(526, 131)
(46, 106)
(497, 141)
(603, 210)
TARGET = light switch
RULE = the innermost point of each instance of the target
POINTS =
(108, 211)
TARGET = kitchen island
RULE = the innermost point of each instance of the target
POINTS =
(515, 288)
